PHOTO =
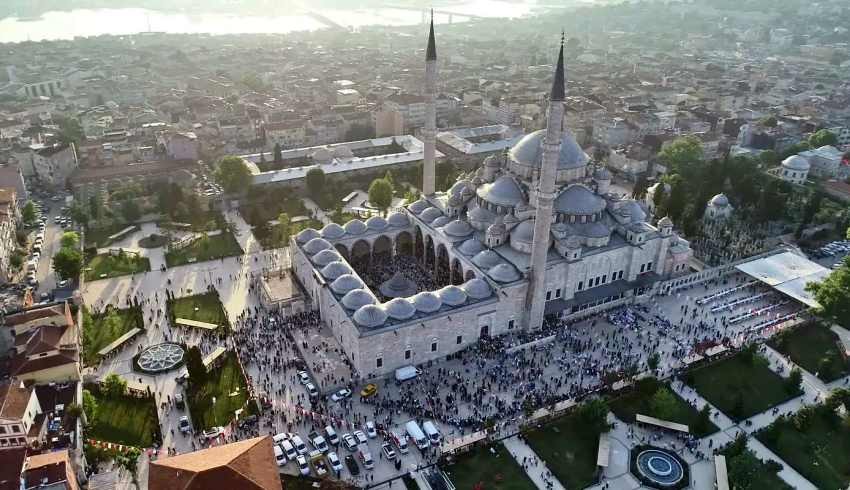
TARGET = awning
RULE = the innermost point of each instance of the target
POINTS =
(787, 273)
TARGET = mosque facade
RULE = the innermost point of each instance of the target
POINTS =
(533, 232)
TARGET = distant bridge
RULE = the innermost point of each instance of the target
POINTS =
(426, 12)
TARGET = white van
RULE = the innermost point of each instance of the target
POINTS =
(333, 439)
(405, 373)
(417, 435)
(278, 455)
(432, 432)
(365, 456)
(289, 449)
(299, 444)
(400, 441)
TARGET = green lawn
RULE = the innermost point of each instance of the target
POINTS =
(205, 307)
(114, 265)
(230, 390)
(271, 237)
(639, 401)
(206, 248)
(99, 237)
(813, 347)
(206, 221)
(126, 420)
(746, 471)
(569, 448)
(494, 471)
(100, 330)
(738, 388)
(819, 449)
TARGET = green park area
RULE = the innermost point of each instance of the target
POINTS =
(490, 467)
(106, 265)
(814, 441)
(205, 307)
(742, 385)
(274, 235)
(217, 394)
(815, 348)
(122, 418)
(746, 471)
(101, 329)
(655, 399)
(208, 247)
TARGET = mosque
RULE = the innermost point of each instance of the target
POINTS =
(536, 231)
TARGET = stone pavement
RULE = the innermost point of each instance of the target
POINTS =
(316, 210)
(537, 472)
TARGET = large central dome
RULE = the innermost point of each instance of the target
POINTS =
(526, 156)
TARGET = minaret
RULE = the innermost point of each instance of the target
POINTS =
(429, 132)
(536, 299)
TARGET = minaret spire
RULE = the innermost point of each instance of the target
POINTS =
(545, 195)
(431, 52)
(429, 132)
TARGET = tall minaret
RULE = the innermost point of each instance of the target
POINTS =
(536, 299)
(429, 133)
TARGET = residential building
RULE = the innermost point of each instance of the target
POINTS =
(287, 134)
(9, 218)
(52, 471)
(19, 408)
(53, 164)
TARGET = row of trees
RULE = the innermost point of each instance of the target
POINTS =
(833, 293)
(68, 261)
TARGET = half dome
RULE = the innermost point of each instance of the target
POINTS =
(356, 298)
(345, 283)
(399, 308)
(355, 227)
(578, 199)
(477, 288)
(427, 302)
(452, 295)
(370, 316)
(306, 235)
(719, 201)
(504, 191)
(335, 269)
(316, 245)
(332, 231)
(524, 232)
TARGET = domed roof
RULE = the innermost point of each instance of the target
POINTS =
(398, 286)
(503, 273)
(343, 152)
(633, 210)
(399, 308)
(524, 232)
(427, 302)
(441, 221)
(321, 155)
(796, 162)
(578, 199)
(345, 283)
(504, 191)
(719, 201)
(316, 245)
(593, 230)
(333, 231)
(334, 270)
(480, 214)
(370, 316)
(398, 219)
(471, 247)
(418, 206)
(528, 151)
(430, 214)
(306, 235)
(457, 228)
(487, 259)
(325, 257)
(355, 227)
(665, 221)
(458, 188)
(376, 223)
(602, 173)
(452, 295)
(356, 298)
(477, 288)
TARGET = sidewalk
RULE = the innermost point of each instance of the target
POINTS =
(789, 475)
(520, 450)
(316, 210)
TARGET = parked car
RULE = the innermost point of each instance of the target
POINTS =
(332, 438)
(318, 441)
(351, 463)
(301, 461)
(388, 451)
(360, 436)
(370, 429)
(303, 377)
(349, 442)
(334, 461)
(183, 424)
(179, 402)
(370, 389)
(299, 444)
(341, 395)
(278, 455)
(213, 432)
(311, 390)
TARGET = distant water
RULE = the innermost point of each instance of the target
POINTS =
(95, 22)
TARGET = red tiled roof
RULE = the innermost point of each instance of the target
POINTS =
(11, 462)
(13, 400)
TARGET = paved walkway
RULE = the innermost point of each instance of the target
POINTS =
(316, 210)
(788, 474)
(520, 450)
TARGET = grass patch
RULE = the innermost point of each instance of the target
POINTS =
(741, 385)
(206, 248)
(204, 221)
(205, 307)
(108, 265)
(271, 236)
(643, 400)
(569, 448)
(815, 442)
(814, 347)
(153, 240)
(494, 471)
(101, 329)
(99, 237)
(226, 384)
(746, 471)
(124, 420)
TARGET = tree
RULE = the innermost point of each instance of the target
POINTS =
(70, 239)
(67, 263)
(74, 410)
(703, 422)
(769, 158)
(315, 181)
(832, 294)
(682, 155)
(195, 366)
(278, 155)
(90, 406)
(70, 130)
(28, 213)
(114, 386)
(653, 361)
(794, 381)
(381, 194)
(130, 211)
(283, 222)
(594, 414)
(79, 214)
(823, 137)
(233, 174)
(663, 404)
(675, 205)
(768, 121)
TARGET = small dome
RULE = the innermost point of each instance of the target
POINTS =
(343, 152)
(665, 222)
(321, 155)
(487, 259)
(524, 232)
(370, 316)
(419, 206)
(325, 257)
(633, 210)
(356, 298)
(398, 286)
(430, 214)
(471, 247)
(398, 219)
(458, 188)
(504, 191)
(796, 162)
(427, 302)
(452, 295)
(316, 245)
(477, 288)
(457, 228)
(334, 270)
(345, 283)
(578, 199)
(719, 201)
(440, 222)
(376, 223)
(332, 231)
(503, 273)
(399, 308)
(481, 215)
(306, 235)
(355, 227)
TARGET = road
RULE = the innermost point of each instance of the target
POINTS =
(52, 235)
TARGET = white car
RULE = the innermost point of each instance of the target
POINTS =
(349, 442)
(341, 395)
(278, 455)
(370, 429)
(360, 436)
(311, 390)
(303, 377)
(334, 461)
(183, 424)
(301, 461)
(213, 432)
